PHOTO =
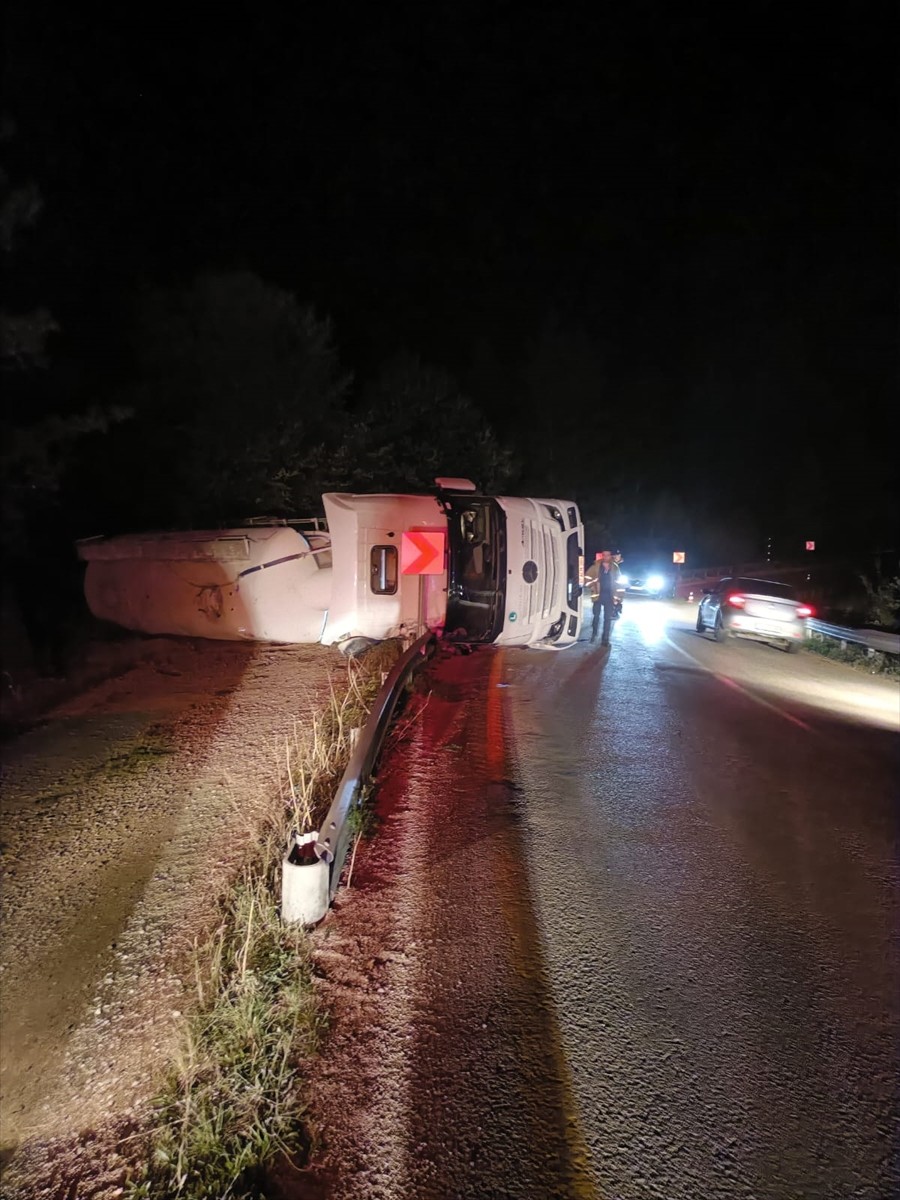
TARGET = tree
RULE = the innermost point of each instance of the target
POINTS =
(41, 434)
(23, 335)
(882, 598)
(36, 446)
(237, 384)
(414, 423)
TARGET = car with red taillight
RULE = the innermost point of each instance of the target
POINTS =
(762, 609)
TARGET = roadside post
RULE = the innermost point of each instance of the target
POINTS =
(678, 557)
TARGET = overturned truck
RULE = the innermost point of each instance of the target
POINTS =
(473, 568)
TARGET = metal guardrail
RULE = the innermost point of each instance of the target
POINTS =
(334, 838)
(871, 639)
(309, 883)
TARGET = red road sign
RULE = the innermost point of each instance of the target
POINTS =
(810, 545)
(422, 553)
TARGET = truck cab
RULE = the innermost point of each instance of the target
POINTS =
(510, 573)
(544, 572)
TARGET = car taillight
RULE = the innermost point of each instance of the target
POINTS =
(736, 600)
(805, 610)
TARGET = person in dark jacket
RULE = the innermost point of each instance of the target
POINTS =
(604, 592)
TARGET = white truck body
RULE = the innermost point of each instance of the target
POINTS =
(509, 572)
(265, 583)
(366, 534)
(512, 571)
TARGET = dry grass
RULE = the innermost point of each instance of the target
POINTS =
(232, 1098)
(316, 754)
(854, 656)
(232, 1103)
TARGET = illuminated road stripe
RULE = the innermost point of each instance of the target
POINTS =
(737, 687)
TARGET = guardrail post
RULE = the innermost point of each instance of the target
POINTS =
(304, 883)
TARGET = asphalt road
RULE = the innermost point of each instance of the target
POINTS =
(637, 917)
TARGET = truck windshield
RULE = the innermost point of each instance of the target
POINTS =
(477, 569)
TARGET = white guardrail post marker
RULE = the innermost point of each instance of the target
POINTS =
(304, 882)
(311, 870)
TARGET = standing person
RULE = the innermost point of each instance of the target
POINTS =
(604, 594)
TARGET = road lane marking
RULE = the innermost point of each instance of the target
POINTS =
(738, 687)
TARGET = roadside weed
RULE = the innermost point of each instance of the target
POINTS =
(232, 1101)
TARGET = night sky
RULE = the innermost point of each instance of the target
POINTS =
(655, 243)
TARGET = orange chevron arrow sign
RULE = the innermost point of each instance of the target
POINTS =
(422, 553)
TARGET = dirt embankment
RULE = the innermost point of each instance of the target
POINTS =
(126, 810)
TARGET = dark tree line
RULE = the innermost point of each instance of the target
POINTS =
(242, 407)
(237, 406)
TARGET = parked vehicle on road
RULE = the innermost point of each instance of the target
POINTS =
(754, 608)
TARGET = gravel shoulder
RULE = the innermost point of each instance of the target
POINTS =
(125, 814)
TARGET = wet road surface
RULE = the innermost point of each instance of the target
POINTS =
(637, 918)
